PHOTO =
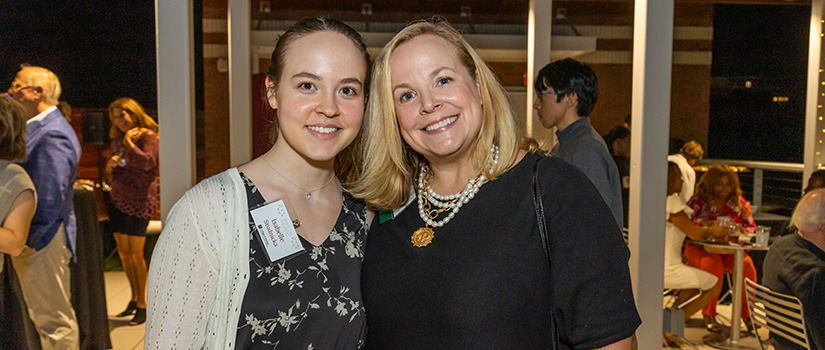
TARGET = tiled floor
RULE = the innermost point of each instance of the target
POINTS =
(695, 331)
(125, 337)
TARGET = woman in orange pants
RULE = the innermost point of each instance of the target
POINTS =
(718, 194)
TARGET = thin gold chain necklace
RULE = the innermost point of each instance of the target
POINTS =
(308, 192)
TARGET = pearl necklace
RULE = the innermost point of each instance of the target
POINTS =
(452, 202)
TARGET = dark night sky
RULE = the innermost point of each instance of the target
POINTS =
(100, 50)
(767, 45)
(103, 50)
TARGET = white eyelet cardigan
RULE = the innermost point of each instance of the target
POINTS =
(200, 268)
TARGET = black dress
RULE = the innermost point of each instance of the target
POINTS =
(483, 282)
(310, 301)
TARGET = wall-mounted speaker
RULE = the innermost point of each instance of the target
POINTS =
(95, 127)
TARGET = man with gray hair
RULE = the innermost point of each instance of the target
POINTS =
(52, 156)
(795, 265)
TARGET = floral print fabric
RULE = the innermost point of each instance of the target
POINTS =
(740, 214)
(309, 301)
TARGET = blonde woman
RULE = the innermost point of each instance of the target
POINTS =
(459, 263)
(133, 175)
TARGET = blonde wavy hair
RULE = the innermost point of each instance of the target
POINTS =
(387, 165)
(692, 150)
(134, 109)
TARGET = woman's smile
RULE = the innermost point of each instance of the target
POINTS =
(441, 123)
(323, 130)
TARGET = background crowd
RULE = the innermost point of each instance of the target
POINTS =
(420, 215)
(40, 155)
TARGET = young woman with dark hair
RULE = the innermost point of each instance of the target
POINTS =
(216, 280)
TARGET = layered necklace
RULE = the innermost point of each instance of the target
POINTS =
(431, 204)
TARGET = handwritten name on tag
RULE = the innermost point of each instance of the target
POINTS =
(275, 230)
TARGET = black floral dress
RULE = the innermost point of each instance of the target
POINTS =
(309, 301)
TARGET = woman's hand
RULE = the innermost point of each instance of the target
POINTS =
(717, 233)
(113, 162)
(131, 135)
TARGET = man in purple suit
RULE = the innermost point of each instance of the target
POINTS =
(52, 155)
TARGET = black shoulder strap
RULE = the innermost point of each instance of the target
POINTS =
(542, 224)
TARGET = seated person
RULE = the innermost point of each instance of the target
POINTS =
(678, 275)
(718, 194)
(795, 265)
(817, 180)
(690, 153)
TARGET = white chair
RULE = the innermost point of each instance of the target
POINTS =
(674, 293)
(780, 313)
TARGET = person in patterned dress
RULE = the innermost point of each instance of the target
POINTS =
(132, 173)
(211, 285)
(718, 194)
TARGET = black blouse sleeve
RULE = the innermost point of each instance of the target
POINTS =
(592, 293)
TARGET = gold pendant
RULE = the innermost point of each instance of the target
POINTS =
(422, 237)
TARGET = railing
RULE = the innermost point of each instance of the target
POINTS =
(784, 188)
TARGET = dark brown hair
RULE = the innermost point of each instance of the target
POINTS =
(12, 130)
(713, 177)
(817, 180)
(308, 26)
(344, 161)
(299, 30)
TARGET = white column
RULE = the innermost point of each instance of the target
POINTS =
(652, 54)
(539, 31)
(256, 64)
(240, 81)
(176, 99)
(813, 129)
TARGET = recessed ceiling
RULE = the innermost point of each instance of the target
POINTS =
(493, 12)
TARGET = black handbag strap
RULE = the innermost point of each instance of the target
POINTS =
(546, 243)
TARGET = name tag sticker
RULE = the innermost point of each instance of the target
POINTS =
(275, 231)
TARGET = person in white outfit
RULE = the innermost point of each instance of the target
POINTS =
(690, 153)
(688, 279)
(217, 278)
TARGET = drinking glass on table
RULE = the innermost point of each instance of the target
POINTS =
(763, 233)
(724, 221)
